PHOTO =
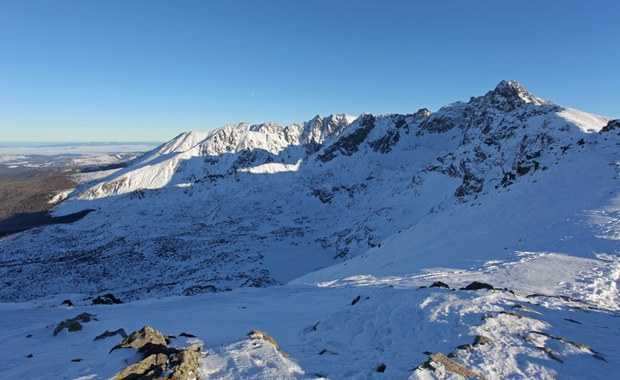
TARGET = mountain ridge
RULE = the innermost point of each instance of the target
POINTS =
(262, 205)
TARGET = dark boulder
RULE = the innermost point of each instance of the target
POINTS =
(477, 286)
(67, 302)
(439, 284)
(106, 299)
(152, 349)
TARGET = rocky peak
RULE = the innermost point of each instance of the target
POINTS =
(317, 120)
(422, 113)
(511, 89)
(318, 129)
(509, 95)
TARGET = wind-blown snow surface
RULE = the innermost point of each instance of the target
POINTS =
(506, 189)
(324, 335)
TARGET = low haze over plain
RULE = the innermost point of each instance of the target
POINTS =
(148, 70)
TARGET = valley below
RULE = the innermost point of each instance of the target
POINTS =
(33, 180)
(26, 196)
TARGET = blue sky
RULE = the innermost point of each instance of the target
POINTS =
(87, 70)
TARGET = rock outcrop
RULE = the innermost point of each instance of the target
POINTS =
(159, 360)
(74, 324)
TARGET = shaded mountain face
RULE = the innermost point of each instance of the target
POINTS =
(258, 205)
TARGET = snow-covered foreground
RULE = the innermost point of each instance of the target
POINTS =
(558, 317)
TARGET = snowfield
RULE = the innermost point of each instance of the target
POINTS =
(548, 324)
(480, 241)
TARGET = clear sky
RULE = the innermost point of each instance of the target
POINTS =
(86, 70)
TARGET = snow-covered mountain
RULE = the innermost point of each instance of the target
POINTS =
(505, 189)
(258, 205)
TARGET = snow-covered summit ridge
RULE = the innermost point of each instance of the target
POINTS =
(231, 146)
(270, 147)
(244, 136)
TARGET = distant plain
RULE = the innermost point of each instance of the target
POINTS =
(35, 177)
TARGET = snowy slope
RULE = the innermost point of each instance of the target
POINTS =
(321, 332)
(357, 217)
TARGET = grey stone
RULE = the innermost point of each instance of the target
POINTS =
(184, 365)
(74, 324)
(149, 368)
(108, 334)
(140, 338)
